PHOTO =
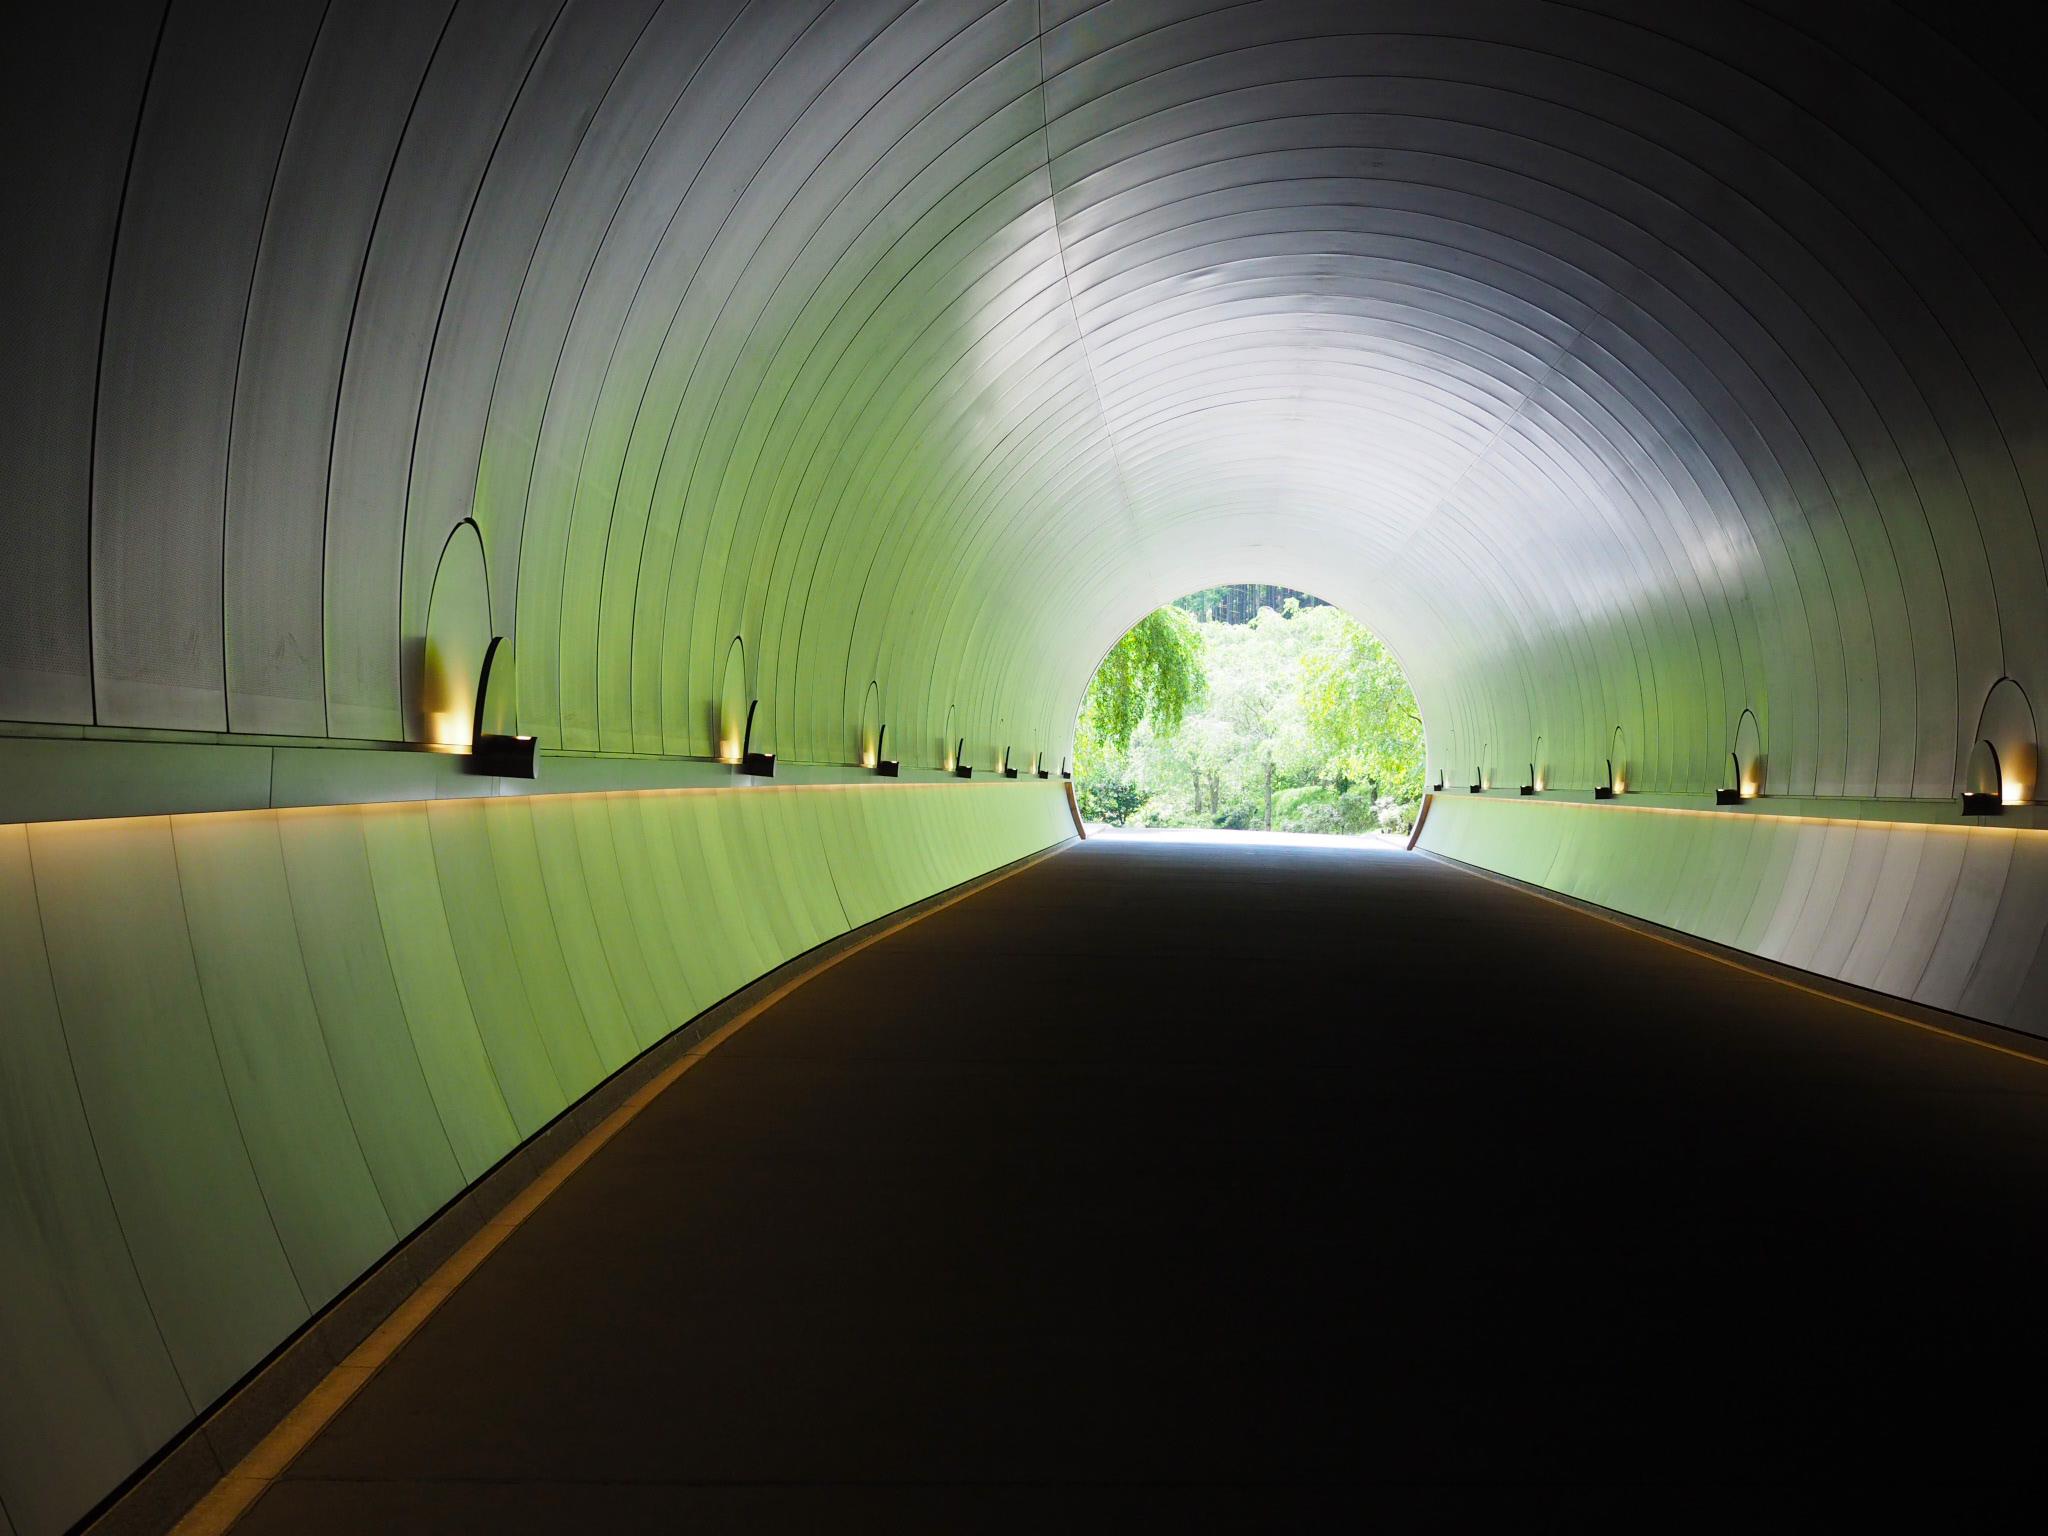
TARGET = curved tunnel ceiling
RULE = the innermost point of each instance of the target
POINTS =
(1625, 366)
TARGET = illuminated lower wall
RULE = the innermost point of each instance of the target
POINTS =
(1951, 916)
(244, 1054)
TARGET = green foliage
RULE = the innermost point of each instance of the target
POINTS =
(1108, 797)
(1362, 715)
(1298, 720)
(1153, 674)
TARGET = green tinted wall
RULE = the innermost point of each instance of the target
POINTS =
(1955, 917)
(246, 1053)
(1625, 372)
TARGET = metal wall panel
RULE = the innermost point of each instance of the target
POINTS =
(205, 157)
(273, 1053)
(537, 949)
(616, 818)
(589, 832)
(93, 1389)
(569, 82)
(491, 977)
(246, 1052)
(1955, 917)
(376, 1064)
(204, 1241)
(607, 1002)
(361, 85)
(475, 1110)
(73, 88)
(694, 929)
(460, 111)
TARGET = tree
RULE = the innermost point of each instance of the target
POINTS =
(1360, 711)
(1109, 797)
(1154, 673)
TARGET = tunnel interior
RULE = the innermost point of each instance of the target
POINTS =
(836, 381)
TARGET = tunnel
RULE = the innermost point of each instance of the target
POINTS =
(526, 519)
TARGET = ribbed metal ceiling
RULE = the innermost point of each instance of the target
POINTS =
(1626, 366)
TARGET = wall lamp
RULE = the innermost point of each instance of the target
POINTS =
(494, 752)
(1742, 788)
(1439, 785)
(1478, 781)
(760, 764)
(1610, 789)
(1984, 792)
(1532, 786)
(1745, 763)
(885, 767)
(1038, 765)
(504, 757)
(2004, 768)
(1008, 771)
(1065, 772)
(962, 769)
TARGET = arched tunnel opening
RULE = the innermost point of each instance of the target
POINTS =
(537, 533)
(1250, 706)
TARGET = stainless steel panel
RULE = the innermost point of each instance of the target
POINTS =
(455, 120)
(206, 152)
(72, 87)
(273, 1052)
(149, 1075)
(94, 1391)
(246, 1051)
(360, 87)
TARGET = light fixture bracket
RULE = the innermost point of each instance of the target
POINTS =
(503, 757)
(759, 765)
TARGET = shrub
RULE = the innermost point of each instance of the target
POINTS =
(1319, 816)
(1110, 798)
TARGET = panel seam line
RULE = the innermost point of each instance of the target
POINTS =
(1059, 241)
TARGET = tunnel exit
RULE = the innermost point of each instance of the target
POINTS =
(1250, 708)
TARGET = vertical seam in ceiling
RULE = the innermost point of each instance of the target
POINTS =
(1059, 241)
(398, 151)
(408, 697)
(92, 452)
(227, 458)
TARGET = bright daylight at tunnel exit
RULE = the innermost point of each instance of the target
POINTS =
(983, 765)
(1249, 706)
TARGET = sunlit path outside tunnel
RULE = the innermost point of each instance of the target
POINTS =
(552, 556)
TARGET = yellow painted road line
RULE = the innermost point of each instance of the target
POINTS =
(1698, 948)
(231, 1497)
